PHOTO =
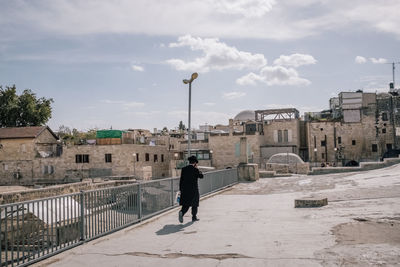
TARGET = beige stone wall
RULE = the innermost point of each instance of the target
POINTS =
(363, 133)
(45, 143)
(224, 148)
(291, 125)
(45, 138)
(17, 149)
(194, 144)
(65, 166)
(301, 168)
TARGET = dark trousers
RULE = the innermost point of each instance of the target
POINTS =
(186, 208)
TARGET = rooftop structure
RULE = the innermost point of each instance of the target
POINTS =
(276, 114)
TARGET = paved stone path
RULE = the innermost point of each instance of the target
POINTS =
(256, 224)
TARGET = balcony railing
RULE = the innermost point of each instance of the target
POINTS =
(33, 230)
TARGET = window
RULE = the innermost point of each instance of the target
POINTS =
(339, 140)
(108, 157)
(137, 156)
(48, 169)
(384, 130)
(384, 116)
(285, 136)
(155, 158)
(147, 156)
(374, 148)
(323, 143)
(353, 142)
(323, 155)
(162, 157)
(279, 136)
(82, 158)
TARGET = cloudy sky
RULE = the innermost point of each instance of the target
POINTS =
(120, 63)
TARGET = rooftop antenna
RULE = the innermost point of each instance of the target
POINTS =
(392, 85)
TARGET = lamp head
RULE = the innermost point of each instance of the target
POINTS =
(194, 76)
(186, 81)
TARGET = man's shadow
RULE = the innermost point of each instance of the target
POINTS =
(173, 228)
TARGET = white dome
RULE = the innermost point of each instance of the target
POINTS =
(285, 158)
(245, 115)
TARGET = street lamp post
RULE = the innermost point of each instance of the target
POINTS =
(134, 163)
(185, 81)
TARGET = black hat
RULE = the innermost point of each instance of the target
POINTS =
(193, 159)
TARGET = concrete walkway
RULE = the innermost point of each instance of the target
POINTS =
(256, 224)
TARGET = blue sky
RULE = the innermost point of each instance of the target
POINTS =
(120, 63)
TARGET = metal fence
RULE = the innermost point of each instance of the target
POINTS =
(33, 230)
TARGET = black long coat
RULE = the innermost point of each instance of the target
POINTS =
(189, 187)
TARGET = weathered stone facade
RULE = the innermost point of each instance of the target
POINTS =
(84, 161)
(369, 134)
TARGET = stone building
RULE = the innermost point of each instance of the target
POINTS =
(360, 127)
(31, 155)
(267, 132)
(20, 147)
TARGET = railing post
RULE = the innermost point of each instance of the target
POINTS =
(172, 192)
(140, 201)
(82, 224)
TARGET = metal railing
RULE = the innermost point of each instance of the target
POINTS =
(33, 230)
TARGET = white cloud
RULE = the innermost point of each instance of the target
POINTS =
(360, 60)
(216, 56)
(137, 68)
(274, 75)
(286, 19)
(246, 8)
(378, 60)
(295, 60)
(249, 79)
(233, 95)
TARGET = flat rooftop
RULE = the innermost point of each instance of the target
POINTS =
(256, 224)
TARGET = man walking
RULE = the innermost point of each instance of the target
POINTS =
(189, 188)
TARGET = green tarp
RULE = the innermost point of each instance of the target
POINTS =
(109, 134)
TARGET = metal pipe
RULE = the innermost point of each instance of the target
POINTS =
(82, 215)
(190, 107)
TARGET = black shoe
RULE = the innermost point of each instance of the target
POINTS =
(195, 219)
(180, 217)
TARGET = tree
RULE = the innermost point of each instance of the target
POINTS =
(23, 110)
(181, 126)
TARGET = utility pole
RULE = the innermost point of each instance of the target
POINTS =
(392, 105)
(393, 74)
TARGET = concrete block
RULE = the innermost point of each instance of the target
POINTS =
(310, 202)
(267, 174)
(248, 172)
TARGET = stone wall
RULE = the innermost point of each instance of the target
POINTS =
(26, 195)
(226, 149)
(300, 168)
(364, 134)
(271, 127)
(66, 168)
(364, 166)
(17, 149)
